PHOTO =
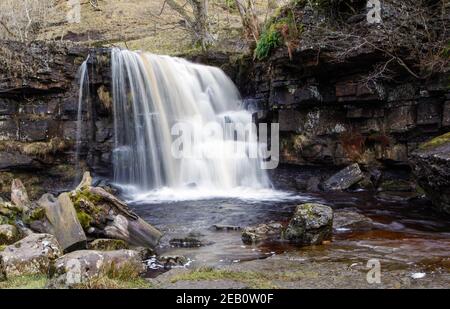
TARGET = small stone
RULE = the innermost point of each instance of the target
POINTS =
(219, 227)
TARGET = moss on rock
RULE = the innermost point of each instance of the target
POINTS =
(436, 142)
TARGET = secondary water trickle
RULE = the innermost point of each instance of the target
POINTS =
(153, 93)
(83, 95)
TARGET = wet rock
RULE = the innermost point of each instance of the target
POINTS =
(396, 185)
(172, 261)
(344, 179)
(219, 227)
(107, 245)
(187, 242)
(311, 224)
(431, 168)
(313, 184)
(9, 234)
(348, 219)
(145, 253)
(19, 195)
(363, 184)
(397, 196)
(31, 255)
(262, 232)
(82, 266)
(63, 221)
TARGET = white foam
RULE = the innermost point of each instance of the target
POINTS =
(166, 194)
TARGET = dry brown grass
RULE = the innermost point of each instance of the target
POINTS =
(139, 24)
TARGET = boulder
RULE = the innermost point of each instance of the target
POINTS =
(19, 195)
(103, 215)
(9, 234)
(349, 219)
(262, 232)
(310, 225)
(431, 168)
(63, 220)
(80, 267)
(136, 232)
(344, 179)
(31, 255)
(107, 245)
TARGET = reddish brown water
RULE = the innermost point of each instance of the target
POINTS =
(403, 234)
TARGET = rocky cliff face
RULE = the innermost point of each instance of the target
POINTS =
(329, 116)
(38, 114)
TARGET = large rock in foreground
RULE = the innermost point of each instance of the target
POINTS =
(31, 255)
(310, 225)
(82, 266)
(63, 221)
(431, 168)
(103, 215)
(344, 179)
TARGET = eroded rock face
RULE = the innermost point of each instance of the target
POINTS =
(344, 179)
(31, 255)
(431, 167)
(81, 266)
(311, 224)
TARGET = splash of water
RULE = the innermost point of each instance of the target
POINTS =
(152, 93)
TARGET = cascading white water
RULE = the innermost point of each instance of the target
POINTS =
(151, 94)
(83, 95)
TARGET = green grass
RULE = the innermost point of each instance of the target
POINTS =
(254, 280)
(25, 282)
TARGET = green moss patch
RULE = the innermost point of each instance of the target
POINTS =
(436, 142)
(85, 205)
(256, 280)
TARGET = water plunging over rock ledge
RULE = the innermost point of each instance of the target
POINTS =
(152, 94)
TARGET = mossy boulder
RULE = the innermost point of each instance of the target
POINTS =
(81, 267)
(431, 168)
(102, 215)
(9, 234)
(32, 255)
(107, 245)
(311, 224)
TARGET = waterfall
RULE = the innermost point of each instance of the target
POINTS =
(83, 95)
(151, 94)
